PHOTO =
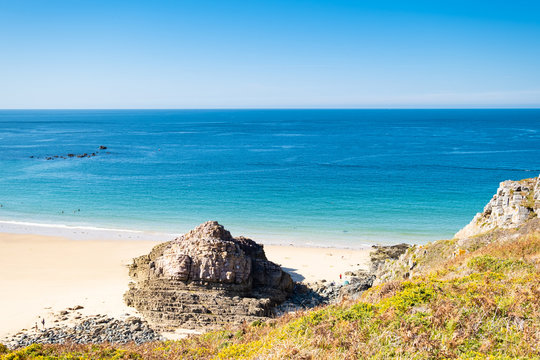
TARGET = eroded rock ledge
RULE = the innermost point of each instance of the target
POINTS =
(514, 203)
(206, 279)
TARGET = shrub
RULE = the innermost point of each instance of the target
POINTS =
(493, 264)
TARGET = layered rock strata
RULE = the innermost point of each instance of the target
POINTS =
(514, 203)
(204, 279)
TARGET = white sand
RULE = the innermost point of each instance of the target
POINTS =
(313, 263)
(42, 275)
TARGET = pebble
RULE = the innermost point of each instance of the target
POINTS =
(310, 295)
(91, 329)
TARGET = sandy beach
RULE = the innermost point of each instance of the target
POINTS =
(42, 275)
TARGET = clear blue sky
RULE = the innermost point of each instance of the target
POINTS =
(274, 53)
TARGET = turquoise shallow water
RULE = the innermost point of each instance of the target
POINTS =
(319, 177)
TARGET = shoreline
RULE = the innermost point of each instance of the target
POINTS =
(45, 274)
(89, 232)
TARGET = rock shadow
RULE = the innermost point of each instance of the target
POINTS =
(294, 275)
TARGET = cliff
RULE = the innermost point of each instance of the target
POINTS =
(514, 203)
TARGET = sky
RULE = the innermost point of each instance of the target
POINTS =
(269, 54)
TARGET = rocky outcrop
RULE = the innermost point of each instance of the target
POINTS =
(511, 213)
(380, 254)
(206, 278)
(514, 203)
(71, 155)
(421, 259)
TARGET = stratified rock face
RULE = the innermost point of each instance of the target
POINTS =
(514, 203)
(206, 278)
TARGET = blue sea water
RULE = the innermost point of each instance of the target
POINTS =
(318, 177)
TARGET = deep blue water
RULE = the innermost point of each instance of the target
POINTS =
(326, 177)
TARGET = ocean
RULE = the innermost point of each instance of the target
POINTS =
(344, 178)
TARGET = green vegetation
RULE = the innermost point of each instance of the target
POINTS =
(481, 304)
(490, 263)
(50, 352)
(529, 201)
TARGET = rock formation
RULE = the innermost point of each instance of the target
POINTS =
(71, 155)
(511, 213)
(206, 278)
(380, 254)
(514, 203)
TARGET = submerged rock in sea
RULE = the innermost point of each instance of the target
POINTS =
(71, 155)
(514, 203)
(204, 279)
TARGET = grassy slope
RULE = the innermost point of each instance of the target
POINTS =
(480, 303)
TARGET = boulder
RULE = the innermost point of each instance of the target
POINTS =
(206, 278)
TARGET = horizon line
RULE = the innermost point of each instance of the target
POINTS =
(281, 108)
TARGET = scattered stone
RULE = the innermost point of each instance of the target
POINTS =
(89, 330)
(304, 296)
(357, 285)
(309, 295)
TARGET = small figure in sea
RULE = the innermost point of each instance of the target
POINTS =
(339, 276)
(36, 326)
(43, 322)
